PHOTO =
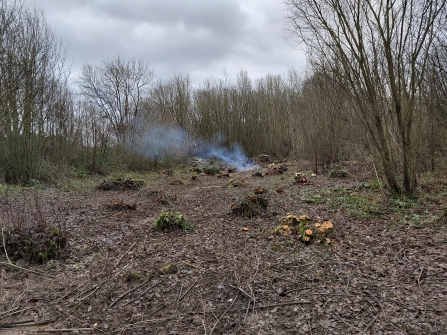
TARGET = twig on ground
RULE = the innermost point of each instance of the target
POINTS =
(106, 262)
(44, 275)
(321, 293)
(62, 330)
(222, 315)
(142, 322)
(189, 289)
(282, 304)
(274, 305)
(379, 307)
(16, 324)
(248, 309)
(372, 322)
(256, 269)
(192, 265)
(86, 292)
(212, 312)
(122, 256)
(348, 324)
(285, 266)
(308, 319)
(127, 292)
(25, 323)
(4, 244)
(92, 292)
(67, 294)
(20, 295)
(123, 269)
(290, 281)
(15, 311)
(422, 276)
(253, 278)
(123, 329)
(71, 316)
(204, 317)
(203, 325)
(245, 293)
(145, 291)
(2, 286)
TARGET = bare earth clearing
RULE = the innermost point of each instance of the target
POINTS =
(385, 271)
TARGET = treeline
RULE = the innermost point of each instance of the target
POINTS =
(104, 121)
(383, 56)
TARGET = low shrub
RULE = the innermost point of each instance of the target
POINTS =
(35, 246)
(251, 206)
(168, 221)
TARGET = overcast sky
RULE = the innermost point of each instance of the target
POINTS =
(199, 37)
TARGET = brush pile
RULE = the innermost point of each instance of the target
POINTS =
(251, 206)
(121, 206)
(120, 184)
(34, 245)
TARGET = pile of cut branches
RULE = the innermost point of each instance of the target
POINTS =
(251, 206)
(120, 184)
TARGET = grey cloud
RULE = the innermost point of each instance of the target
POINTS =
(201, 37)
(223, 16)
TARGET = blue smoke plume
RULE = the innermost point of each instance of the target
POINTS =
(161, 142)
(235, 157)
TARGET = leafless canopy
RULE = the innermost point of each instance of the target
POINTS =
(377, 51)
(33, 90)
(116, 89)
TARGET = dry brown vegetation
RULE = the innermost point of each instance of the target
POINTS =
(383, 272)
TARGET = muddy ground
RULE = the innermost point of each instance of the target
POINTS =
(383, 272)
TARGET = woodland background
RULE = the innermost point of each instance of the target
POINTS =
(119, 115)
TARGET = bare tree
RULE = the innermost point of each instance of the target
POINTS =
(171, 101)
(270, 123)
(118, 89)
(377, 52)
(323, 122)
(32, 79)
(257, 115)
(436, 86)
